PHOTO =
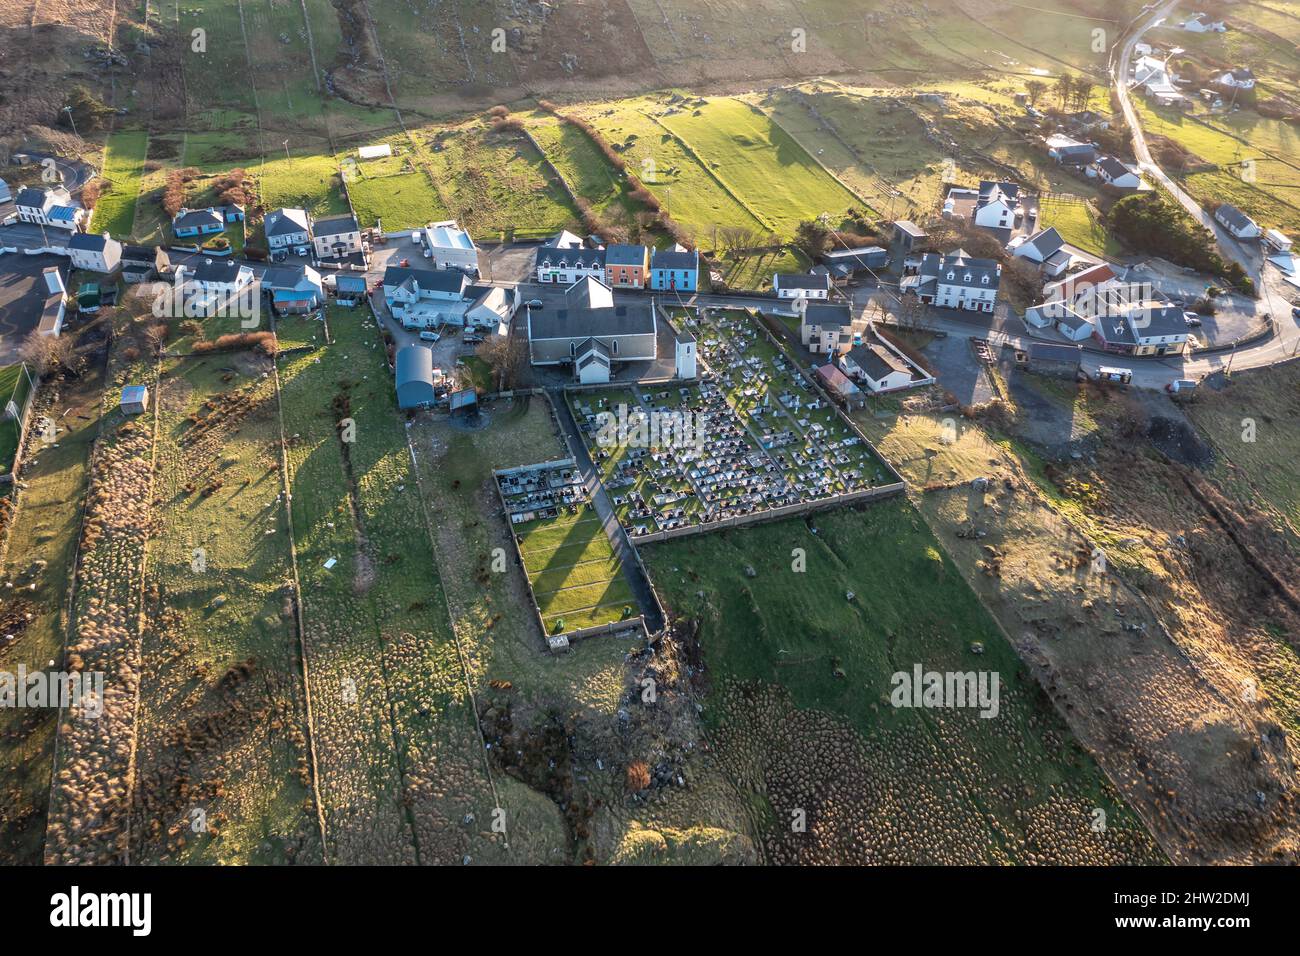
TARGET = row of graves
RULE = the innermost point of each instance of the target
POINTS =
(764, 437)
(547, 490)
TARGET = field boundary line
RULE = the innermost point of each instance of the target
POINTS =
(699, 161)
(298, 618)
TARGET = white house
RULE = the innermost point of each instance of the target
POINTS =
(425, 297)
(213, 285)
(287, 228)
(1115, 174)
(806, 285)
(336, 237)
(873, 364)
(48, 207)
(955, 281)
(450, 247)
(1046, 249)
(995, 206)
(1240, 79)
(565, 259)
(94, 253)
(1198, 24)
(1061, 316)
(1237, 222)
(491, 308)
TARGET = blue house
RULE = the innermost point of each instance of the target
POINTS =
(232, 212)
(675, 270)
(198, 222)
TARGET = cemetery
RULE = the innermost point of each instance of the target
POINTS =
(771, 444)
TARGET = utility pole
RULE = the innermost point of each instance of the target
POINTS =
(73, 120)
(285, 144)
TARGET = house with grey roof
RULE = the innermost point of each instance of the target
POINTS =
(1114, 173)
(336, 237)
(1237, 222)
(142, 263)
(293, 290)
(826, 328)
(565, 259)
(425, 297)
(955, 281)
(286, 228)
(1143, 328)
(193, 223)
(94, 253)
(624, 332)
(802, 285)
(38, 204)
(627, 266)
(676, 270)
(1046, 249)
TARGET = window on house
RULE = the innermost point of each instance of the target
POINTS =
(985, 280)
(614, 347)
(573, 349)
(951, 276)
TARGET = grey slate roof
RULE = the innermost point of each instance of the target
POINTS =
(195, 218)
(30, 196)
(801, 280)
(429, 280)
(619, 254)
(335, 226)
(876, 361)
(1048, 242)
(285, 222)
(1112, 167)
(91, 242)
(966, 272)
(573, 258)
(635, 318)
(1233, 217)
(214, 270)
(672, 259)
(826, 315)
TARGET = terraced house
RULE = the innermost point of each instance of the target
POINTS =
(675, 270)
(627, 267)
(287, 228)
(565, 259)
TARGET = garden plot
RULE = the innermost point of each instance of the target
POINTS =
(222, 722)
(576, 579)
(400, 762)
(764, 439)
(123, 168)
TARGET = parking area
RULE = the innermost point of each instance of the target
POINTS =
(22, 299)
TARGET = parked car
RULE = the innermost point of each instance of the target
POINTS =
(1295, 312)
(300, 250)
(534, 303)
(428, 335)
(1192, 319)
(279, 255)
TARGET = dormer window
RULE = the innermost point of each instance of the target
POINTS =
(985, 280)
(966, 278)
(951, 276)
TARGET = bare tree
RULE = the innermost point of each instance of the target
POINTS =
(507, 357)
(910, 311)
(46, 354)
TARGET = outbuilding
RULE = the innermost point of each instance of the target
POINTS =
(135, 399)
(414, 366)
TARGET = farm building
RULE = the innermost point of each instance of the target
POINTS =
(844, 263)
(94, 253)
(414, 366)
(134, 400)
(379, 151)
(336, 237)
(287, 228)
(89, 297)
(450, 247)
(464, 403)
(349, 289)
(1060, 360)
(588, 317)
(676, 270)
(56, 302)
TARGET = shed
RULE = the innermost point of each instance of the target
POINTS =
(135, 399)
(464, 402)
(414, 377)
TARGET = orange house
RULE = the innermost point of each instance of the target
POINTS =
(627, 267)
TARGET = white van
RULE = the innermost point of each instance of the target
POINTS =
(428, 335)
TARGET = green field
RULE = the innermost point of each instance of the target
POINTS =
(400, 763)
(15, 386)
(123, 170)
(878, 597)
(1079, 224)
(576, 579)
